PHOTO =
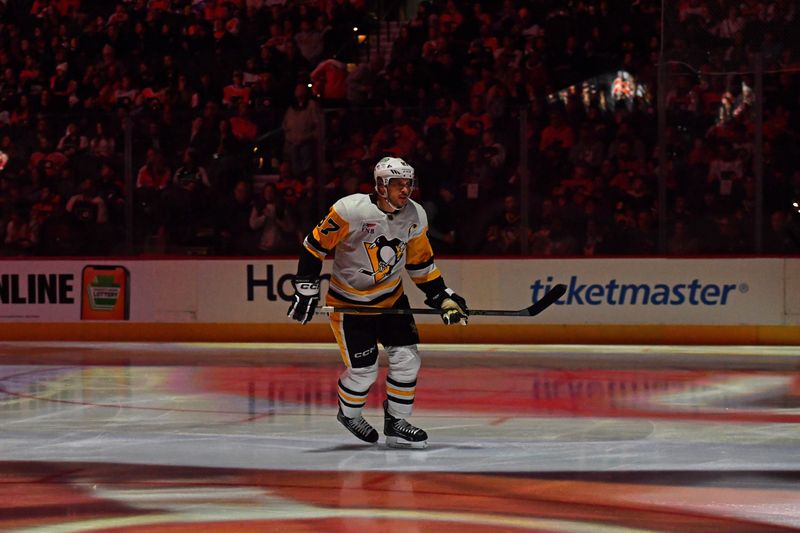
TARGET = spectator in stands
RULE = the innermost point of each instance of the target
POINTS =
(301, 126)
(225, 144)
(309, 41)
(361, 82)
(102, 146)
(683, 241)
(404, 49)
(557, 134)
(397, 138)
(274, 221)
(475, 121)
(19, 235)
(329, 82)
(443, 219)
(236, 92)
(44, 206)
(588, 149)
(242, 125)
(72, 142)
(90, 215)
(112, 191)
(133, 62)
(87, 206)
(233, 221)
(778, 237)
(187, 202)
(154, 174)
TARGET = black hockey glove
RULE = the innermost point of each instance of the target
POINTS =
(454, 307)
(306, 298)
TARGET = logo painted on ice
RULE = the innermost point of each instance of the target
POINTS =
(614, 292)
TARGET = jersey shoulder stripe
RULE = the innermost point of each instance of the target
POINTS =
(420, 266)
(328, 233)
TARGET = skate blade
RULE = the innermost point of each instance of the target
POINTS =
(397, 442)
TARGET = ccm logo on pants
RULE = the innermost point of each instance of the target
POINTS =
(365, 353)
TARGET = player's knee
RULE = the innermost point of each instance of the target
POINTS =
(404, 362)
(362, 378)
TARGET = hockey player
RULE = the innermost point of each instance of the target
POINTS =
(375, 236)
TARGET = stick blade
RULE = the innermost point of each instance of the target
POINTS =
(547, 300)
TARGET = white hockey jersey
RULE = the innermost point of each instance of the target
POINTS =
(371, 249)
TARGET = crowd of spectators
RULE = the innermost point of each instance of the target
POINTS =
(247, 118)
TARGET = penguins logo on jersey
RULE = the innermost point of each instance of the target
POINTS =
(383, 256)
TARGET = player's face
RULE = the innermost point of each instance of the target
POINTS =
(398, 191)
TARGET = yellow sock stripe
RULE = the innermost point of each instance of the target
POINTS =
(351, 399)
(398, 392)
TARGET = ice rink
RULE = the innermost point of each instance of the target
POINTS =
(243, 437)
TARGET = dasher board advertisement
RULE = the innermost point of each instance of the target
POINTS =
(258, 291)
(105, 292)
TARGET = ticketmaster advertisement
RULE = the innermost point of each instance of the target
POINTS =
(634, 291)
(599, 291)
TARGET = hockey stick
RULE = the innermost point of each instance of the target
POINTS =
(541, 304)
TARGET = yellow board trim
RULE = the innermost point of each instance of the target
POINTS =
(320, 331)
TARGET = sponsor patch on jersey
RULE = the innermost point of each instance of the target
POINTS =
(368, 227)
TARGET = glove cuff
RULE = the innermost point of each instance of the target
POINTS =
(306, 285)
(435, 301)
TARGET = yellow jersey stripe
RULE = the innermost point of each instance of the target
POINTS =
(332, 300)
(313, 251)
(371, 292)
(419, 249)
(426, 277)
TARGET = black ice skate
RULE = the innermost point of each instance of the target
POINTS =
(401, 434)
(358, 427)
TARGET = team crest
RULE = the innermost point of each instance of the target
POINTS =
(384, 255)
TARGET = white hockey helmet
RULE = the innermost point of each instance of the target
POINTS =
(392, 167)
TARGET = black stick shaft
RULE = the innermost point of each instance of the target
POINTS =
(543, 303)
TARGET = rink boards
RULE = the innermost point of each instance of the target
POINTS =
(631, 300)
